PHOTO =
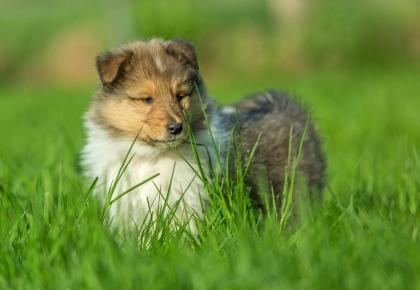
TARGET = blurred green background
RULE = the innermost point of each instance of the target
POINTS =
(56, 41)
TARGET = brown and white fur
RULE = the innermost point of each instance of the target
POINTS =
(147, 90)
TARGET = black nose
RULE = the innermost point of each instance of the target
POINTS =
(174, 128)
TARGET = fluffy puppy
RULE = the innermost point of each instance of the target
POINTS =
(152, 92)
(147, 90)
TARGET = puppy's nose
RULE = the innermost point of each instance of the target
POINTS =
(174, 128)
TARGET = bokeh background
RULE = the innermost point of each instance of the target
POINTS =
(48, 41)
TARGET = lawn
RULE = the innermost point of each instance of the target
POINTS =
(365, 235)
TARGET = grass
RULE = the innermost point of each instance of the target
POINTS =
(365, 236)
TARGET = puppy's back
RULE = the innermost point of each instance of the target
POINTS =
(280, 123)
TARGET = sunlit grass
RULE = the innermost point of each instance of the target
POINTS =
(365, 235)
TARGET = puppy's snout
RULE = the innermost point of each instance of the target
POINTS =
(174, 128)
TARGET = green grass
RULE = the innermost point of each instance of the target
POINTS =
(365, 236)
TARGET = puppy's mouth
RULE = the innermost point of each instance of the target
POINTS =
(170, 142)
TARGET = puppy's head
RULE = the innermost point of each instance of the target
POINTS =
(151, 89)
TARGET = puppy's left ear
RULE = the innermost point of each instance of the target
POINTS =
(110, 65)
(183, 51)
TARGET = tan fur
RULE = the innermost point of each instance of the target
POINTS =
(110, 64)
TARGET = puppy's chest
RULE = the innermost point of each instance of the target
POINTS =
(171, 175)
(176, 184)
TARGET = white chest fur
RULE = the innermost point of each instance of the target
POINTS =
(177, 187)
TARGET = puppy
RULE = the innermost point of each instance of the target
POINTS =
(152, 92)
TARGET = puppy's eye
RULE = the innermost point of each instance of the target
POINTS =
(179, 97)
(133, 98)
(148, 100)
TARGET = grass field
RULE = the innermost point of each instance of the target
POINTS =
(365, 236)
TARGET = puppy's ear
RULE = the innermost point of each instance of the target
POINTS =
(183, 51)
(110, 65)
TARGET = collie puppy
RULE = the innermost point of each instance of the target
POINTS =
(153, 97)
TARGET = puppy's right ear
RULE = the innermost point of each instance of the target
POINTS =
(110, 65)
(183, 51)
